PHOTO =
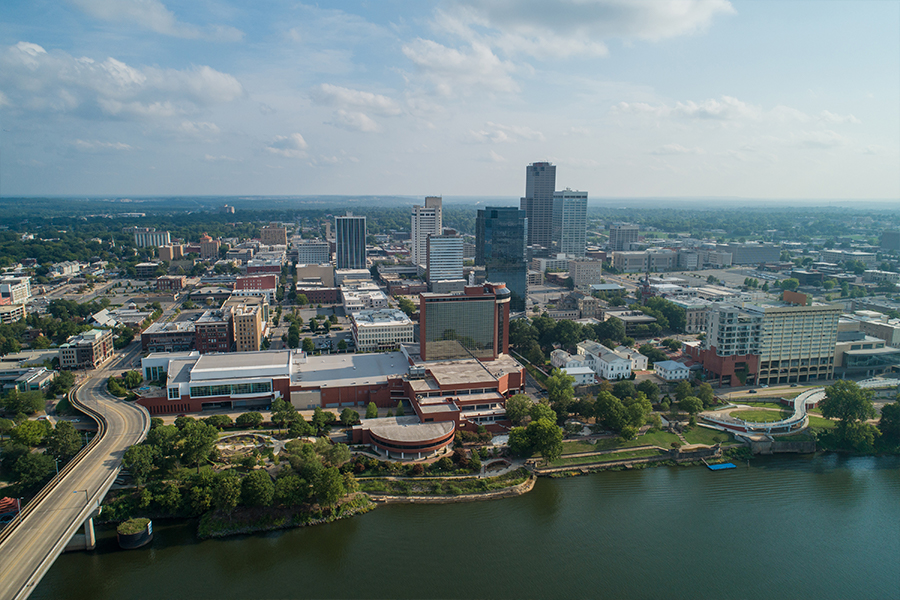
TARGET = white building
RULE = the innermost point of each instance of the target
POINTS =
(151, 237)
(381, 330)
(585, 273)
(582, 375)
(669, 370)
(604, 362)
(311, 252)
(426, 220)
(569, 221)
(638, 360)
(561, 359)
(445, 257)
(362, 295)
(17, 290)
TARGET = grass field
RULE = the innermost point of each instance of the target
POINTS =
(761, 415)
(585, 460)
(821, 422)
(443, 487)
(774, 405)
(655, 438)
(710, 437)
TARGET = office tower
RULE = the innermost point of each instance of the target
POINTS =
(426, 220)
(621, 235)
(144, 238)
(569, 222)
(472, 324)
(540, 183)
(445, 257)
(890, 239)
(273, 235)
(350, 244)
(500, 247)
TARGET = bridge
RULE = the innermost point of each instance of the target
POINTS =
(45, 526)
(798, 419)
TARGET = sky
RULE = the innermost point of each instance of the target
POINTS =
(629, 98)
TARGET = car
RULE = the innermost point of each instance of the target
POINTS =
(793, 385)
(751, 391)
(764, 386)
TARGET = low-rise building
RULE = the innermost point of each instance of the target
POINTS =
(585, 272)
(381, 330)
(581, 375)
(362, 295)
(214, 331)
(170, 282)
(670, 370)
(604, 362)
(30, 379)
(15, 290)
(638, 360)
(177, 336)
(87, 350)
(11, 313)
(261, 285)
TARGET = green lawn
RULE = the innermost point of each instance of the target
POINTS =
(655, 438)
(585, 460)
(774, 405)
(710, 437)
(821, 422)
(761, 415)
(443, 487)
(803, 436)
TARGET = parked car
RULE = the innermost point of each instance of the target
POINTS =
(751, 391)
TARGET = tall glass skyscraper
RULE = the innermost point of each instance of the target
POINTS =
(540, 183)
(500, 246)
(350, 242)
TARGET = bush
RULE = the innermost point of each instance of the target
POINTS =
(132, 526)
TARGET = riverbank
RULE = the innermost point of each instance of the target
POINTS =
(513, 484)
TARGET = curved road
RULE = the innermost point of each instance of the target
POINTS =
(60, 509)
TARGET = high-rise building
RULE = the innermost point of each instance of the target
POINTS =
(500, 247)
(540, 183)
(426, 220)
(474, 324)
(621, 235)
(273, 235)
(890, 239)
(569, 222)
(350, 242)
(144, 238)
(445, 257)
(209, 248)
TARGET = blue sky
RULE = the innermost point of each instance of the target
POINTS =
(629, 98)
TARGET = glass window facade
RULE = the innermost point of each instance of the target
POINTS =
(456, 328)
(500, 246)
(207, 391)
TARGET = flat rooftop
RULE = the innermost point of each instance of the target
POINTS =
(338, 370)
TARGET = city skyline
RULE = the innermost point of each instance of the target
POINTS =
(704, 98)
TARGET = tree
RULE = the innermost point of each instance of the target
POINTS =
(308, 345)
(848, 403)
(407, 306)
(683, 390)
(219, 421)
(30, 433)
(299, 427)
(329, 486)
(790, 284)
(249, 420)
(64, 442)
(283, 413)
(518, 443)
(138, 459)
(691, 405)
(313, 325)
(291, 490)
(542, 410)
(322, 420)
(559, 392)
(293, 340)
(23, 402)
(349, 417)
(227, 491)
(889, 425)
(257, 489)
(624, 389)
(371, 411)
(326, 326)
(62, 383)
(546, 438)
(342, 344)
(609, 411)
(705, 392)
(518, 407)
(650, 390)
(132, 379)
(197, 441)
(33, 469)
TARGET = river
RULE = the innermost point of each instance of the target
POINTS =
(785, 527)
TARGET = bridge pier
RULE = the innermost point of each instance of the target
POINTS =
(86, 540)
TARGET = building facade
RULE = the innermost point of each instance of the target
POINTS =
(87, 350)
(273, 235)
(311, 252)
(569, 222)
(621, 236)
(350, 242)
(145, 238)
(585, 273)
(381, 330)
(500, 246)
(474, 324)
(426, 220)
(444, 257)
(540, 183)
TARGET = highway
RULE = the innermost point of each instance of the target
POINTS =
(31, 543)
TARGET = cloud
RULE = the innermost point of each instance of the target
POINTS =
(819, 139)
(199, 128)
(675, 149)
(223, 158)
(494, 157)
(725, 109)
(455, 71)
(98, 146)
(333, 95)
(289, 146)
(154, 16)
(354, 121)
(563, 28)
(56, 81)
(496, 133)
(831, 118)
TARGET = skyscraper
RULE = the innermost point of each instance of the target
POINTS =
(540, 183)
(500, 247)
(569, 222)
(445, 257)
(621, 235)
(474, 324)
(350, 243)
(426, 220)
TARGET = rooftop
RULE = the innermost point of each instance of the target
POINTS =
(337, 370)
(407, 429)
